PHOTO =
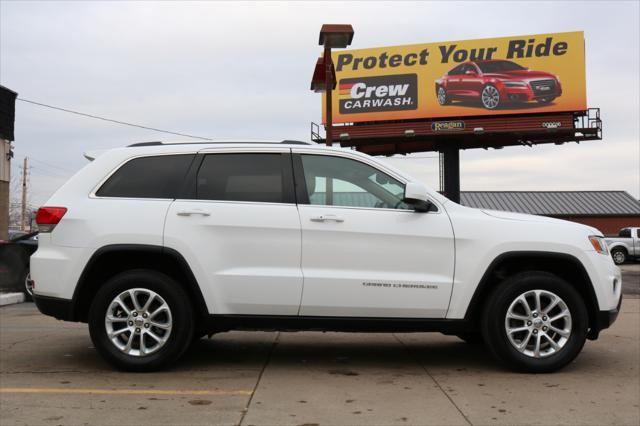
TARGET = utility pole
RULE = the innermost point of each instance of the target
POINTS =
(23, 214)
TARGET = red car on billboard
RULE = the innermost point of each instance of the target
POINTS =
(495, 83)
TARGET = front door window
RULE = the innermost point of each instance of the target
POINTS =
(337, 181)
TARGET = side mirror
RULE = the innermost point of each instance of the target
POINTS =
(416, 196)
(471, 72)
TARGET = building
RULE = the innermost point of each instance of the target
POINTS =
(7, 119)
(607, 211)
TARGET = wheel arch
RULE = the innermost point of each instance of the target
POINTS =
(563, 265)
(619, 246)
(100, 268)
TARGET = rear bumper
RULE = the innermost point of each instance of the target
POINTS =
(54, 307)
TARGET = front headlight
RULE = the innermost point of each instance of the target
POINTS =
(599, 244)
(515, 83)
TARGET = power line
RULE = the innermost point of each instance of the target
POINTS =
(51, 173)
(124, 123)
(45, 163)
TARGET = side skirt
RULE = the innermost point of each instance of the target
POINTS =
(218, 323)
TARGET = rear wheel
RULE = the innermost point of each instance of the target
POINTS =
(141, 321)
(443, 98)
(619, 256)
(535, 322)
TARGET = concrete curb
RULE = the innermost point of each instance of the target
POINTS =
(11, 298)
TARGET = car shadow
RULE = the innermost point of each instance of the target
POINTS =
(326, 352)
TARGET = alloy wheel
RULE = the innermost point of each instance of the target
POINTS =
(490, 97)
(138, 322)
(538, 323)
(442, 96)
(619, 257)
(28, 284)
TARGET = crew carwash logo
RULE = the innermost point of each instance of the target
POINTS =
(380, 93)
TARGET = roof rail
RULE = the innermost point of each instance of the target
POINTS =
(157, 143)
(144, 144)
(294, 142)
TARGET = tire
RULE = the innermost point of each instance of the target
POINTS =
(168, 318)
(619, 255)
(471, 338)
(490, 97)
(443, 97)
(507, 298)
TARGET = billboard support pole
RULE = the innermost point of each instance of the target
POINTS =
(328, 66)
(329, 86)
(451, 163)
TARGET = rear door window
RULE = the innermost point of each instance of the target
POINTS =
(160, 176)
(251, 177)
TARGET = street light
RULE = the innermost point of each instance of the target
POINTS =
(331, 35)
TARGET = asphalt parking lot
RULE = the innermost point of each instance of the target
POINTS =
(50, 374)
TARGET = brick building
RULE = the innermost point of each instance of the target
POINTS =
(7, 119)
(607, 211)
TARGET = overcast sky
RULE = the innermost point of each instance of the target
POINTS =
(242, 70)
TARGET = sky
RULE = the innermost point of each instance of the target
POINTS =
(241, 70)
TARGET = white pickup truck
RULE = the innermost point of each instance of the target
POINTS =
(625, 246)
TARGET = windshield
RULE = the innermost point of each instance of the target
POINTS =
(499, 66)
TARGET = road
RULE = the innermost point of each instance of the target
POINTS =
(50, 374)
(631, 278)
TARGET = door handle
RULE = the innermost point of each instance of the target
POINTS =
(326, 218)
(192, 212)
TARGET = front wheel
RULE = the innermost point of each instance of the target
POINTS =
(619, 256)
(490, 97)
(141, 320)
(535, 322)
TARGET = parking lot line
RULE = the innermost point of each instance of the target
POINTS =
(127, 391)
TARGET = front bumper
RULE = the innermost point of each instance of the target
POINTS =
(54, 307)
(604, 320)
(526, 94)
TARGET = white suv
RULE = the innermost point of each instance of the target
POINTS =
(155, 245)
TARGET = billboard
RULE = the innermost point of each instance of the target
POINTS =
(509, 75)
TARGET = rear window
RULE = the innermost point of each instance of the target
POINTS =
(159, 176)
(499, 66)
(245, 177)
(625, 233)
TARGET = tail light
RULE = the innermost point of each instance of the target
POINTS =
(48, 217)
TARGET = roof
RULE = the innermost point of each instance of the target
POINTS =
(555, 203)
(212, 142)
